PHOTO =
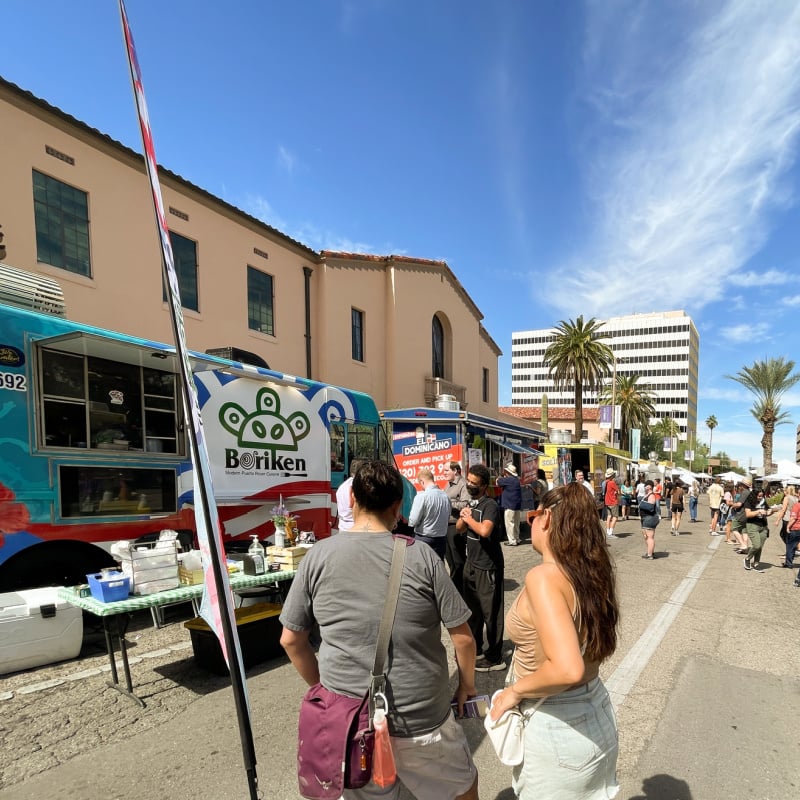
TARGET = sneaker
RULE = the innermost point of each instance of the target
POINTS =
(611, 535)
(483, 664)
(510, 544)
(747, 564)
(647, 557)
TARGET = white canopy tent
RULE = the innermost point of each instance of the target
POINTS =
(729, 476)
(786, 471)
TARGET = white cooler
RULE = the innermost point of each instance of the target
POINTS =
(37, 628)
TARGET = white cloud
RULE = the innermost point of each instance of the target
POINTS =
(286, 159)
(791, 301)
(746, 332)
(771, 277)
(695, 124)
(260, 208)
(732, 395)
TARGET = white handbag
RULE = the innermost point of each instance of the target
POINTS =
(507, 734)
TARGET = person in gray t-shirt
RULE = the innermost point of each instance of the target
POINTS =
(341, 585)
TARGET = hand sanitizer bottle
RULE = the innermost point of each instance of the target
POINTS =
(256, 552)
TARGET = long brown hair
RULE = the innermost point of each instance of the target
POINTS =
(578, 544)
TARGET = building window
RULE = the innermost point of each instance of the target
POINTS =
(437, 348)
(485, 385)
(357, 334)
(184, 253)
(61, 214)
(260, 302)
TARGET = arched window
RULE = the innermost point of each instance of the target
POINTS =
(437, 348)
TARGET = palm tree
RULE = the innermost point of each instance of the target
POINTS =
(579, 359)
(768, 380)
(711, 423)
(635, 402)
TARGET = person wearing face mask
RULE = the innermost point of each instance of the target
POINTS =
(483, 571)
(456, 551)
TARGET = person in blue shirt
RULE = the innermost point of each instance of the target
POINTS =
(511, 503)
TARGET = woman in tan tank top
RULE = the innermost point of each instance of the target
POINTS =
(564, 625)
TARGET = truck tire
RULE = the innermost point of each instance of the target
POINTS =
(52, 564)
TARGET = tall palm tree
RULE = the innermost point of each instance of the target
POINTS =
(635, 402)
(578, 358)
(768, 380)
(711, 423)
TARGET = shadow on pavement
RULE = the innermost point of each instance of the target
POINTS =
(663, 787)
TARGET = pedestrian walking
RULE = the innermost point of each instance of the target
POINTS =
(511, 503)
(649, 516)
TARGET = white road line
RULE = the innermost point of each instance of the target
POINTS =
(630, 668)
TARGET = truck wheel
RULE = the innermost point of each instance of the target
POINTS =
(52, 564)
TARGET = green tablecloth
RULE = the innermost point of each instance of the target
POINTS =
(238, 580)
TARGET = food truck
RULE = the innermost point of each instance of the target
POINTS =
(93, 447)
(562, 459)
(431, 438)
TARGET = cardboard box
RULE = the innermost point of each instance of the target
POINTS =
(286, 557)
(36, 628)
(259, 637)
(189, 577)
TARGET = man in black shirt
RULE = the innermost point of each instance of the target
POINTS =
(483, 571)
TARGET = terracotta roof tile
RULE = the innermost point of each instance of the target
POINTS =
(560, 413)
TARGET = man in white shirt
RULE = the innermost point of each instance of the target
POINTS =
(344, 499)
(586, 485)
(715, 492)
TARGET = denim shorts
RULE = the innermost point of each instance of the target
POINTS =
(433, 766)
(571, 747)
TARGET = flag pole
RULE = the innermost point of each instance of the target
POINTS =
(216, 606)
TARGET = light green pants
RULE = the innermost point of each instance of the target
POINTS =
(758, 538)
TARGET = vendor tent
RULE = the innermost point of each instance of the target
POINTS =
(729, 476)
(784, 471)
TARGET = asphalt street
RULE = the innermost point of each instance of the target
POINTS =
(705, 685)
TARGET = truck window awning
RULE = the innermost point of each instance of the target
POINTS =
(127, 350)
(518, 448)
(144, 353)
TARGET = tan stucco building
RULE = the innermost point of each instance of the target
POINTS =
(75, 206)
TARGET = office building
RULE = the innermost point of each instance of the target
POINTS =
(662, 348)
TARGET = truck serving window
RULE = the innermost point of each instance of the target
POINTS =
(114, 491)
(96, 403)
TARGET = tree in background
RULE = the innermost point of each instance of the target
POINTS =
(636, 406)
(578, 359)
(667, 428)
(768, 380)
(711, 423)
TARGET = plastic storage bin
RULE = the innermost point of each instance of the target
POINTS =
(259, 637)
(109, 587)
(37, 628)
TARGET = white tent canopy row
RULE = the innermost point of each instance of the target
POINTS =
(786, 471)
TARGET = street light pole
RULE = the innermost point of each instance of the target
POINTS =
(613, 400)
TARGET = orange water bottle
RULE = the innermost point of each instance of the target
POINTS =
(384, 772)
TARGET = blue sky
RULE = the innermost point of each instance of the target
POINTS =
(594, 158)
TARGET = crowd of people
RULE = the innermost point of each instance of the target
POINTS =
(562, 624)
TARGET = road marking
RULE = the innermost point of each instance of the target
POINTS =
(630, 668)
